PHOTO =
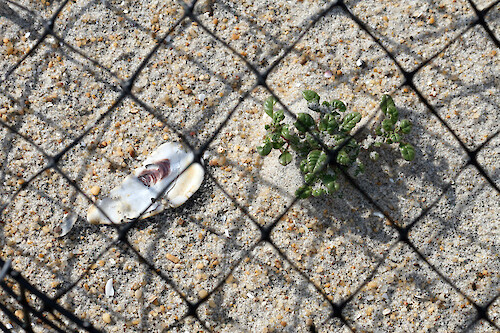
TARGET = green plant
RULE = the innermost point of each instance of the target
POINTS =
(312, 140)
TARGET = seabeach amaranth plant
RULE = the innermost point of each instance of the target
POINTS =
(314, 140)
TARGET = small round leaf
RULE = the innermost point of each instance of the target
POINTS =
(265, 149)
(285, 158)
(310, 96)
(407, 151)
(269, 105)
(405, 126)
(339, 105)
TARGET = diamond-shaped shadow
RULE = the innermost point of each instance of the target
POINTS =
(96, 29)
(260, 32)
(135, 298)
(264, 293)
(488, 159)
(58, 95)
(413, 32)
(336, 242)
(460, 236)
(357, 73)
(463, 92)
(197, 244)
(194, 82)
(259, 184)
(19, 161)
(405, 295)
(31, 230)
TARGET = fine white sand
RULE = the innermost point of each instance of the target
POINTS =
(324, 249)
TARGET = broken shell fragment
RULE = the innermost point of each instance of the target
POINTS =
(109, 291)
(67, 224)
(162, 172)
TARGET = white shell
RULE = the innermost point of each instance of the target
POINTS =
(67, 224)
(127, 201)
(110, 292)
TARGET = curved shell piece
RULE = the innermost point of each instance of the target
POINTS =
(160, 171)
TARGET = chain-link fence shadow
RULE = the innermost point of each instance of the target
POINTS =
(89, 88)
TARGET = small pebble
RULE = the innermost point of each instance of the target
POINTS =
(203, 293)
(360, 63)
(328, 74)
(172, 258)
(106, 317)
(19, 314)
(95, 190)
(138, 293)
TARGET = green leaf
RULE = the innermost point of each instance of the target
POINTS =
(303, 192)
(294, 139)
(311, 140)
(386, 103)
(304, 122)
(328, 124)
(285, 132)
(407, 151)
(277, 141)
(303, 149)
(303, 166)
(330, 183)
(316, 161)
(332, 186)
(378, 130)
(350, 120)
(269, 105)
(265, 149)
(343, 158)
(310, 96)
(275, 137)
(339, 105)
(352, 145)
(405, 126)
(389, 108)
(278, 116)
(318, 192)
(285, 158)
(395, 137)
(310, 178)
(387, 125)
(328, 179)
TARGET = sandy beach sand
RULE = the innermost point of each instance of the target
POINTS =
(325, 250)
